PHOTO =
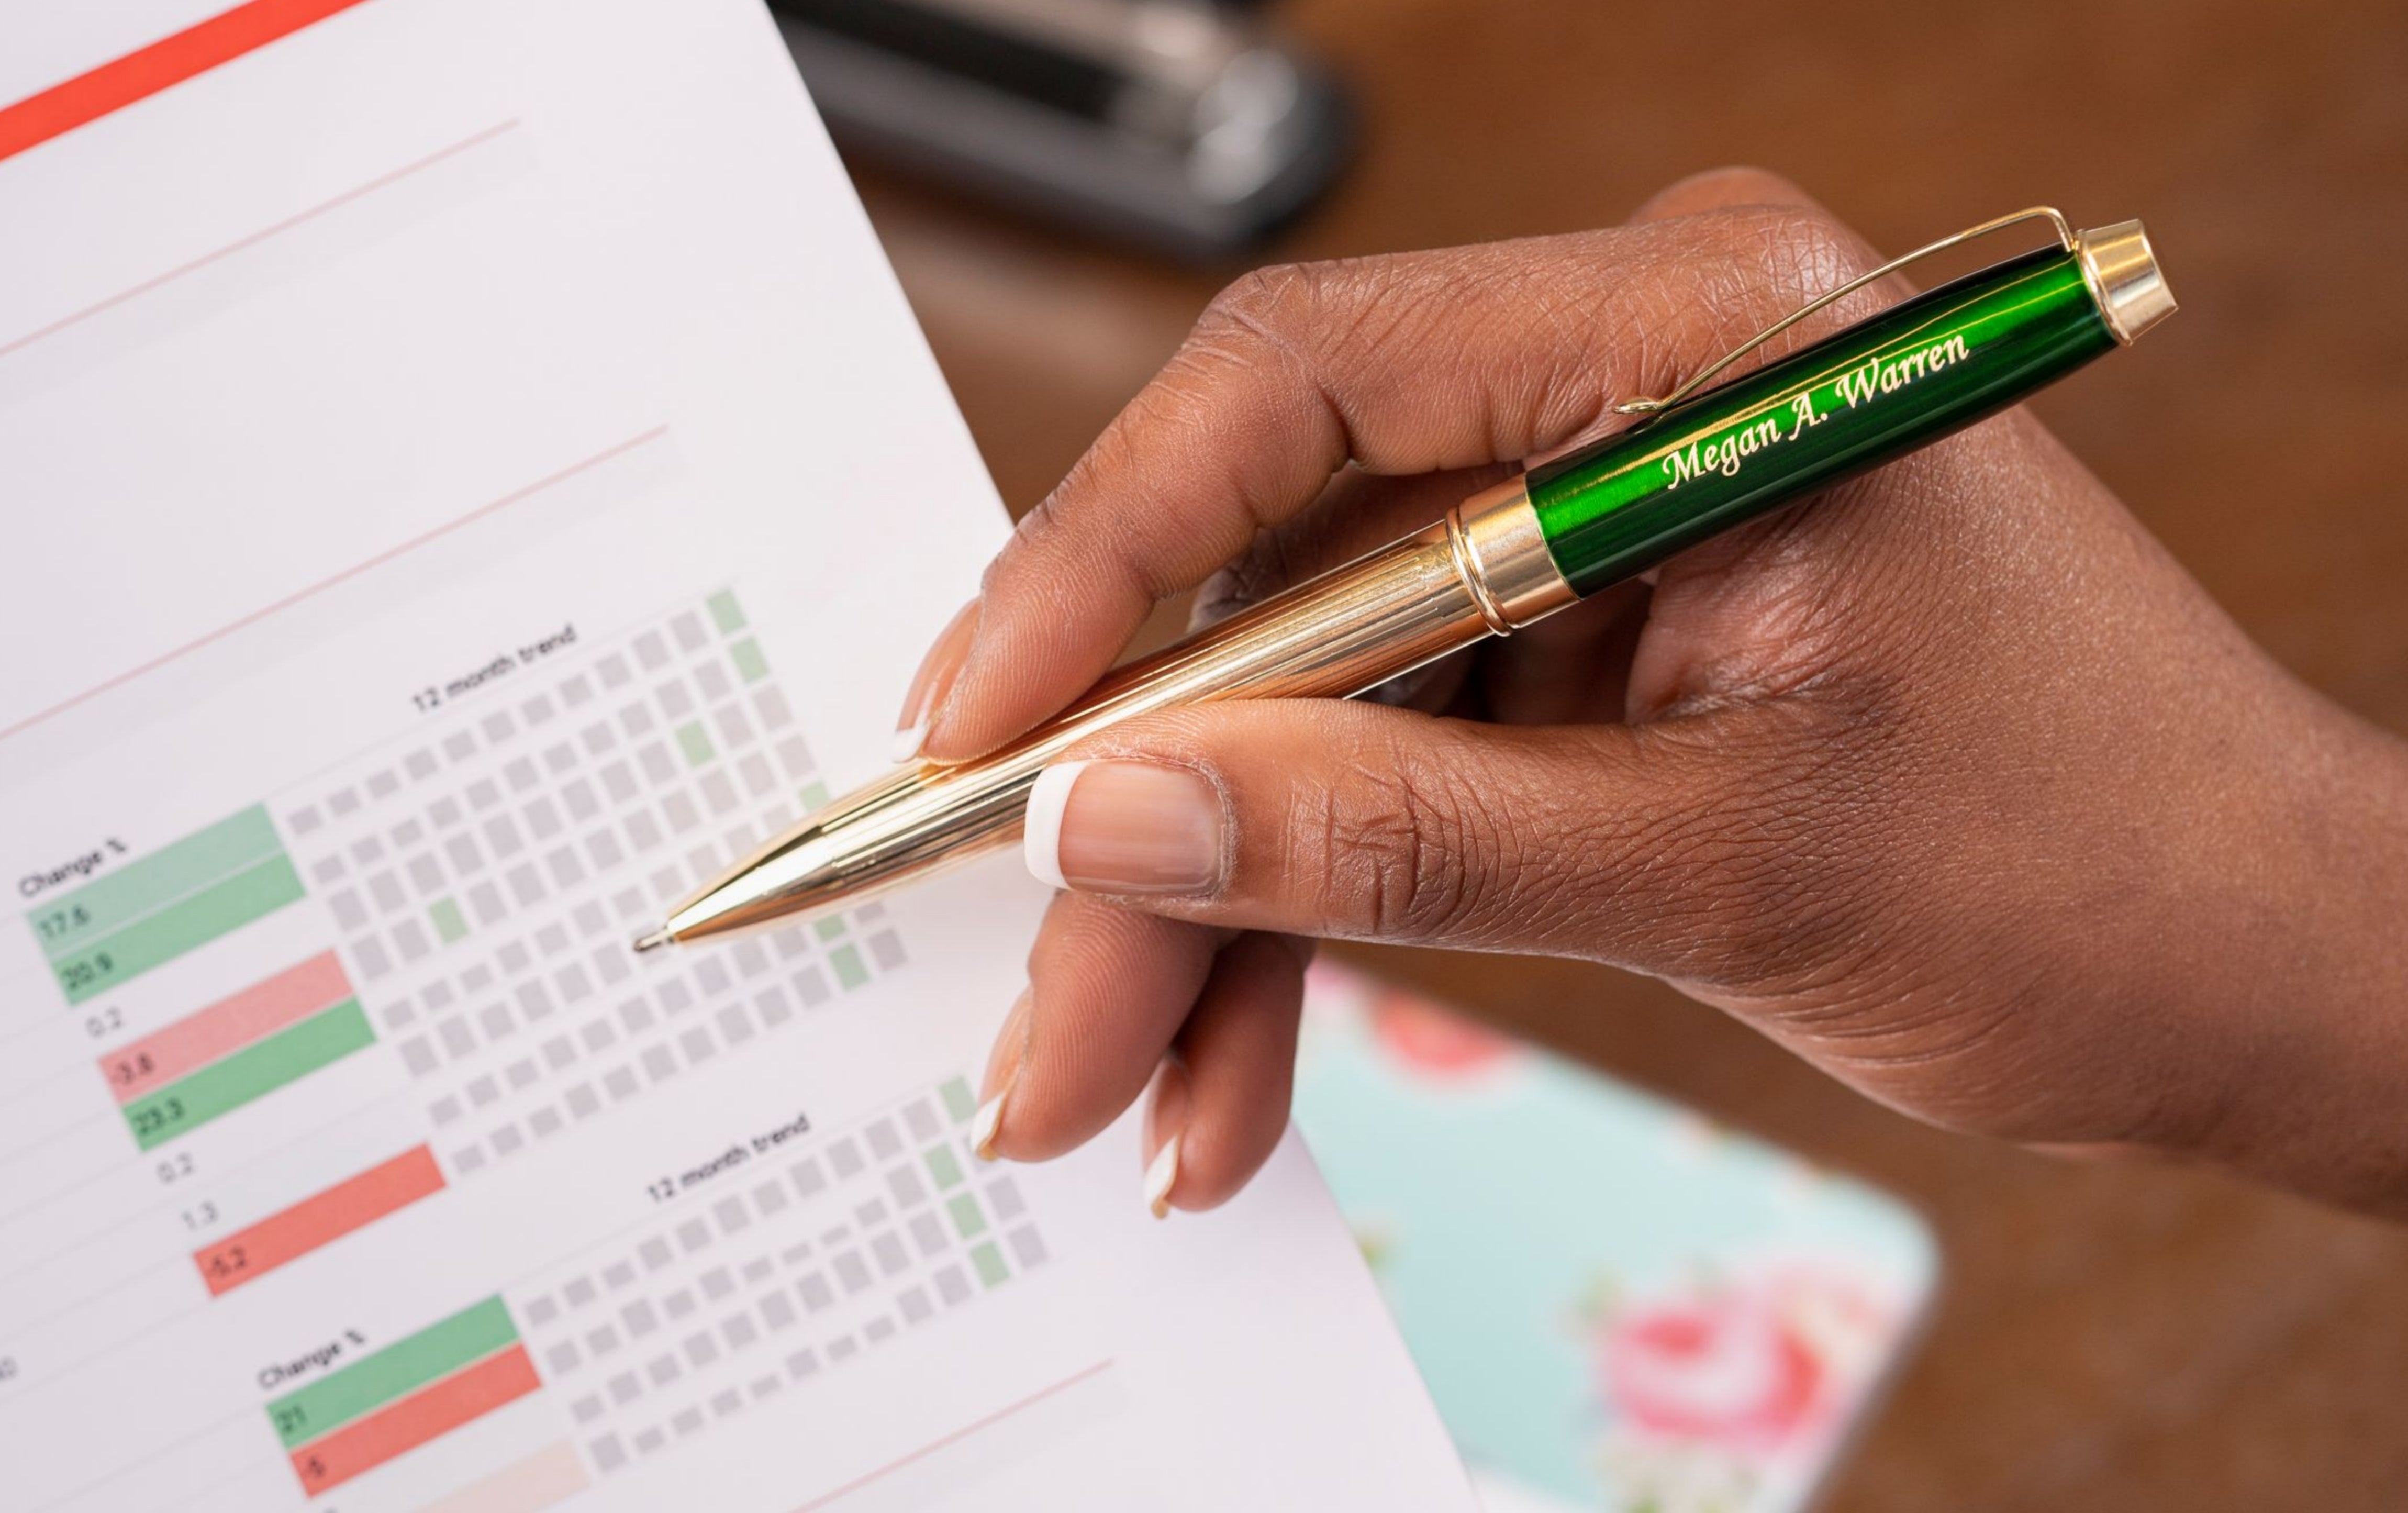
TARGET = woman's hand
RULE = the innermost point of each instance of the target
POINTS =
(1949, 780)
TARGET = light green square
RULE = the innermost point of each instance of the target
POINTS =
(695, 742)
(830, 928)
(848, 970)
(749, 664)
(724, 609)
(945, 1166)
(449, 925)
(968, 1221)
(989, 1262)
(815, 795)
(959, 1101)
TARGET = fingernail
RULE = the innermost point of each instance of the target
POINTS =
(933, 682)
(1165, 1128)
(1108, 827)
(1161, 1176)
(988, 1124)
(1002, 1072)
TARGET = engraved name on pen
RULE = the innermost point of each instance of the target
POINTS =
(1859, 385)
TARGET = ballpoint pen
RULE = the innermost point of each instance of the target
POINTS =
(1698, 462)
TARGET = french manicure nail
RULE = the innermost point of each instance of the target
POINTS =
(1114, 827)
(933, 682)
(988, 1123)
(1163, 1175)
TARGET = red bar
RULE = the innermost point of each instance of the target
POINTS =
(430, 1413)
(162, 65)
(225, 1026)
(352, 1205)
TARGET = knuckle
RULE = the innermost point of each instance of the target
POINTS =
(1407, 853)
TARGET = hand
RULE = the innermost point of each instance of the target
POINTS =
(1949, 780)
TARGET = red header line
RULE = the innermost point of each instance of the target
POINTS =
(162, 65)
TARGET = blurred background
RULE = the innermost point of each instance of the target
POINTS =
(1063, 183)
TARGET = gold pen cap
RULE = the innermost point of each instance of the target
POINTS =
(2125, 277)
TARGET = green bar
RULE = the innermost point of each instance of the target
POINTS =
(848, 970)
(967, 1218)
(815, 795)
(393, 1373)
(959, 1101)
(945, 1166)
(119, 898)
(449, 925)
(724, 609)
(749, 660)
(159, 937)
(989, 1262)
(694, 741)
(255, 1071)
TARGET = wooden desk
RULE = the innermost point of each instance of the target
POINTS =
(2109, 1338)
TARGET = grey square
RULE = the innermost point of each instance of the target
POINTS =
(757, 1270)
(534, 1000)
(649, 1440)
(886, 950)
(738, 1331)
(608, 1454)
(795, 758)
(1027, 1247)
(929, 1233)
(878, 1331)
(952, 1286)
(921, 1119)
(693, 1235)
(444, 812)
(578, 794)
(680, 812)
(328, 869)
(769, 1197)
(602, 849)
(711, 976)
(845, 1156)
(748, 956)
(635, 719)
(700, 1350)
(486, 900)
(495, 1020)
(664, 1370)
(729, 1212)
(763, 1387)
(558, 1052)
(468, 1158)
(542, 819)
(582, 1101)
(484, 793)
(423, 874)
(807, 1177)
(651, 650)
(688, 629)
(674, 996)
(755, 770)
(541, 1311)
(698, 1045)
(386, 889)
(679, 1303)
(674, 700)
(719, 792)
(775, 1007)
(654, 760)
(888, 1252)
(884, 1142)
(579, 1292)
(904, 1184)
(624, 1386)
(654, 1253)
(734, 726)
(843, 1348)
(851, 1271)
(444, 1110)
(525, 886)
(418, 1057)
(871, 1214)
(567, 871)
(521, 1071)
(620, 1084)
(812, 986)
(776, 1312)
(586, 1409)
(304, 820)
(507, 1140)
(457, 1040)
(802, 1364)
(659, 1064)
(643, 829)
(639, 1317)
(619, 1274)
(410, 938)
(619, 783)
(343, 801)
(460, 745)
(545, 1123)
(915, 1305)
(716, 1283)
(814, 1292)
(574, 985)
(407, 834)
(613, 669)
(712, 680)
(1003, 1196)
(610, 964)
(598, 1035)
(499, 725)
(635, 1015)
(502, 834)
(771, 706)
(382, 786)
(601, 1340)
(462, 849)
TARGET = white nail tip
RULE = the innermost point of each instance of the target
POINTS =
(908, 742)
(984, 1128)
(1162, 1177)
(1041, 841)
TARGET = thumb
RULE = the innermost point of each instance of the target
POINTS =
(1643, 846)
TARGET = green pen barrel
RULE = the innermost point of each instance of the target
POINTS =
(1933, 365)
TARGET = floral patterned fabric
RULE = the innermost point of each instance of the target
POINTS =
(1616, 1305)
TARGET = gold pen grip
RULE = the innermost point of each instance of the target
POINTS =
(1481, 571)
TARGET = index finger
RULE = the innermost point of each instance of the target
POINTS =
(1399, 364)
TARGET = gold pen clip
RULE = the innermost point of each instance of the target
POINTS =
(2038, 212)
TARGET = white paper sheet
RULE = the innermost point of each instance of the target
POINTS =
(468, 471)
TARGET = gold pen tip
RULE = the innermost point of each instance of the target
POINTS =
(654, 941)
